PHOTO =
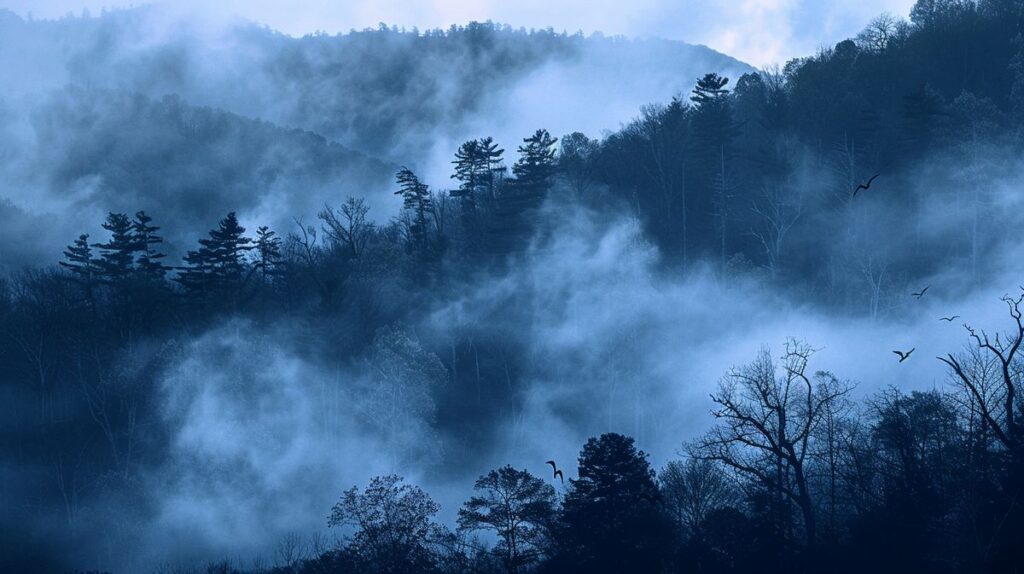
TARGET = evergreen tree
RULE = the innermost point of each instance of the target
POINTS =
(612, 515)
(196, 276)
(268, 253)
(117, 255)
(145, 236)
(81, 264)
(416, 200)
(534, 173)
(478, 168)
(710, 90)
(714, 130)
(226, 247)
(536, 165)
(470, 169)
(492, 158)
(219, 263)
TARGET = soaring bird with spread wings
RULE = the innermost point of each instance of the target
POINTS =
(904, 356)
(865, 186)
(555, 473)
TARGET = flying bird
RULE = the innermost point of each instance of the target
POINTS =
(555, 473)
(921, 293)
(950, 319)
(865, 185)
(904, 356)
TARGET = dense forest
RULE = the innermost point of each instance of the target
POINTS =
(276, 392)
(389, 92)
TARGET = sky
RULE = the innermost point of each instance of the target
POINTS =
(759, 32)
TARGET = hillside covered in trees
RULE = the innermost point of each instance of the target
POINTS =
(386, 91)
(771, 323)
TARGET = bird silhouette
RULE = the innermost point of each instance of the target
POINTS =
(555, 473)
(865, 185)
(950, 319)
(921, 293)
(904, 356)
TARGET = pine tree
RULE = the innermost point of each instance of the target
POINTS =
(612, 513)
(268, 253)
(145, 239)
(709, 90)
(81, 264)
(536, 165)
(218, 266)
(534, 173)
(226, 247)
(117, 256)
(492, 158)
(416, 200)
(196, 276)
(478, 169)
(470, 167)
(714, 129)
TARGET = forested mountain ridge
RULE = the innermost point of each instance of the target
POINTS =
(250, 399)
(83, 151)
(769, 171)
(405, 96)
(387, 92)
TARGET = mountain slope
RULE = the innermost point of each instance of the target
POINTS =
(385, 92)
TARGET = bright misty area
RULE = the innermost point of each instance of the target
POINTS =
(491, 299)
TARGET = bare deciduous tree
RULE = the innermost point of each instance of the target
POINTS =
(351, 228)
(997, 404)
(693, 489)
(879, 32)
(766, 421)
(777, 211)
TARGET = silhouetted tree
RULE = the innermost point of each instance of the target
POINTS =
(575, 161)
(416, 201)
(83, 267)
(218, 266)
(612, 515)
(393, 523)
(146, 240)
(714, 131)
(765, 421)
(534, 172)
(536, 165)
(692, 490)
(117, 255)
(268, 253)
(351, 229)
(519, 508)
(998, 401)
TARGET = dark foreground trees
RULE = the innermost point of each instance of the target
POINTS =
(612, 517)
(393, 527)
(516, 506)
(767, 416)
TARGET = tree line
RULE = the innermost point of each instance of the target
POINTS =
(793, 476)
